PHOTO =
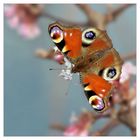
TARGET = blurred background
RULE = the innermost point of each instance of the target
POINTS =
(35, 97)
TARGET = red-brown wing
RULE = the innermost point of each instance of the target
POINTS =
(67, 39)
(97, 90)
(103, 65)
(96, 79)
(75, 43)
(95, 40)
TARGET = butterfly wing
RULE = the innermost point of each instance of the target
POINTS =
(93, 56)
(67, 39)
(97, 79)
(74, 43)
(96, 89)
(103, 65)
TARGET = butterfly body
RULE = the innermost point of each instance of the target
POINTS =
(92, 55)
(83, 63)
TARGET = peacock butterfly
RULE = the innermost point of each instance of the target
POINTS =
(92, 56)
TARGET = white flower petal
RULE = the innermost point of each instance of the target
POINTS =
(127, 69)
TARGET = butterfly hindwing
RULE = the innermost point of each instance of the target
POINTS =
(96, 79)
(97, 90)
(103, 65)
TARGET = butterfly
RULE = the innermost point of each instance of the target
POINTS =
(93, 57)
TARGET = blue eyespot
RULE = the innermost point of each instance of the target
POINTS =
(111, 73)
(90, 35)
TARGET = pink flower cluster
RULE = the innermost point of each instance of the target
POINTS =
(81, 126)
(128, 69)
(122, 85)
(23, 17)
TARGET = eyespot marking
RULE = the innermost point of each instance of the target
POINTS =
(110, 73)
(88, 36)
(97, 103)
(56, 34)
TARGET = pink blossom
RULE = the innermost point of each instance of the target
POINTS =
(56, 55)
(127, 69)
(80, 127)
(29, 31)
(122, 85)
(24, 22)
(74, 131)
(13, 22)
(59, 58)
(9, 11)
(52, 54)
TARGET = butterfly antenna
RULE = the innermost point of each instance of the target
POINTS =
(59, 69)
(53, 69)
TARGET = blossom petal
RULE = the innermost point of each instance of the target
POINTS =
(29, 31)
(127, 69)
(13, 22)
(9, 11)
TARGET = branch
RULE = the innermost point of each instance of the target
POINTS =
(108, 127)
(127, 116)
(99, 116)
(109, 7)
(113, 14)
(63, 21)
(129, 56)
(101, 20)
(58, 126)
(94, 18)
(86, 9)
(41, 53)
(89, 12)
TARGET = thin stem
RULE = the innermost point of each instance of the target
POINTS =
(129, 56)
(58, 126)
(63, 21)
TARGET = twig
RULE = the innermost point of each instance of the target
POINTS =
(99, 116)
(129, 56)
(128, 118)
(41, 53)
(101, 20)
(113, 14)
(58, 126)
(94, 18)
(109, 7)
(107, 128)
(63, 21)
(86, 8)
